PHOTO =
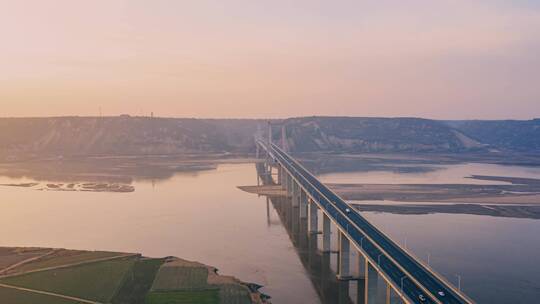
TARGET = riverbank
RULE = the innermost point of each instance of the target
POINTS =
(511, 190)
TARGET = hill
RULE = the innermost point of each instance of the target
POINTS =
(515, 135)
(123, 136)
(357, 134)
(84, 136)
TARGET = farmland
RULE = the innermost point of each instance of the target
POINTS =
(94, 281)
(14, 296)
(60, 276)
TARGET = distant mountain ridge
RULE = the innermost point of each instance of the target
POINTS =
(124, 135)
(517, 135)
(375, 135)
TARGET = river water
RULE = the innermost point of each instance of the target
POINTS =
(203, 216)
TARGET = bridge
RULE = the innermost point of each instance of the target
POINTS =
(407, 279)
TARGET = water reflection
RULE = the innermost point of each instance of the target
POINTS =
(202, 217)
(496, 258)
(318, 264)
(205, 217)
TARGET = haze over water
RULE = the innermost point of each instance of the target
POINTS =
(202, 216)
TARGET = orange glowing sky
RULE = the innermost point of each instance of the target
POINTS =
(249, 58)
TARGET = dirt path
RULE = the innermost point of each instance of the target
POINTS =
(70, 265)
(49, 294)
(27, 261)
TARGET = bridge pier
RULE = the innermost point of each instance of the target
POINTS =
(343, 292)
(391, 296)
(295, 219)
(288, 185)
(383, 291)
(295, 194)
(303, 204)
(371, 282)
(361, 283)
(326, 233)
(344, 256)
(313, 217)
(291, 186)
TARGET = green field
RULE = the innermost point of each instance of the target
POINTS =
(210, 296)
(189, 284)
(234, 294)
(137, 282)
(125, 280)
(66, 258)
(181, 278)
(12, 296)
(94, 281)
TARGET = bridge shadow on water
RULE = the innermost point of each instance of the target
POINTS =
(316, 263)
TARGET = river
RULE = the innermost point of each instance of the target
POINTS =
(203, 216)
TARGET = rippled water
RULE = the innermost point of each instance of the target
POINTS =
(203, 216)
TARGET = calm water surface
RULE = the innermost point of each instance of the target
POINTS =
(198, 216)
(203, 216)
(451, 174)
(498, 259)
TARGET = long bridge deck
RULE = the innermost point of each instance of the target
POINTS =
(410, 279)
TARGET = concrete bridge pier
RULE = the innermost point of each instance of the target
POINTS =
(290, 184)
(391, 296)
(287, 183)
(303, 235)
(303, 204)
(295, 219)
(312, 251)
(361, 282)
(343, 292)
(384, 291)
(344, 256)
(326, 234)
(313, 217)
(371, 284)
(325, 271)
(295, 194)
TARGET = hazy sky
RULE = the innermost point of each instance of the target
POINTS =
(279, 58)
